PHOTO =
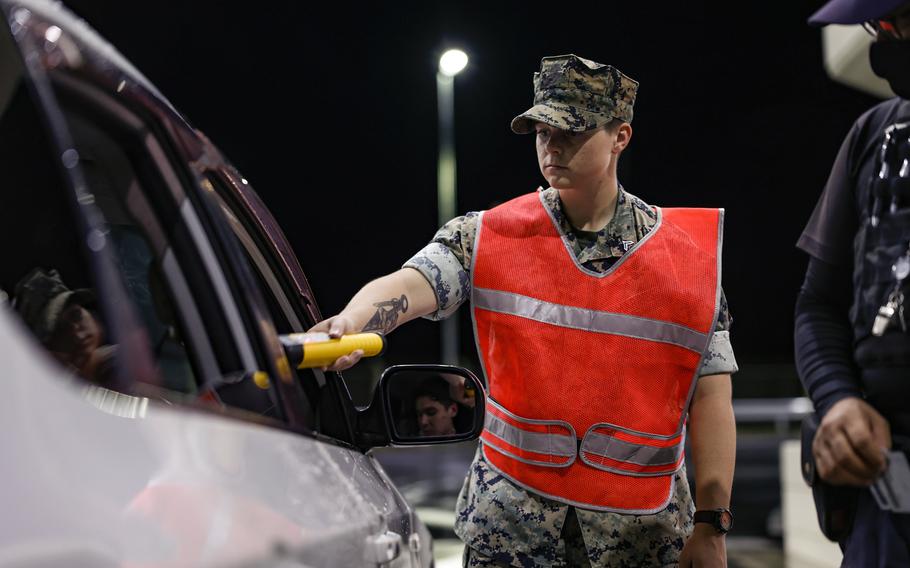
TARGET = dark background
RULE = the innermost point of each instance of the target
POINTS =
(329, 109)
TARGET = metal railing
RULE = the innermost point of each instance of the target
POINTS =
(782, 412)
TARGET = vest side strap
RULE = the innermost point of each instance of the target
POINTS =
(639, 454)
(551, 443)
(589, 320)
(548, 443)
(671, 489)
(620, 450)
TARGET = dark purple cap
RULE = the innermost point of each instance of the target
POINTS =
(853, 11)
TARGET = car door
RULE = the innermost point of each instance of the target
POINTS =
(201, 446)
(294, 309)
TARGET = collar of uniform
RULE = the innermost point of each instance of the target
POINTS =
(631, 220)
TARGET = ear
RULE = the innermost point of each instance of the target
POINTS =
(453, 409)
(623, 136)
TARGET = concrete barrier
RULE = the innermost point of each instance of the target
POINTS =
(804, 544)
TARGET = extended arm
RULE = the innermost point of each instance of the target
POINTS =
(381, 306)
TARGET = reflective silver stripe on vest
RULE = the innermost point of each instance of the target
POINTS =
(589, 320)
(562, 445)
(628, 452)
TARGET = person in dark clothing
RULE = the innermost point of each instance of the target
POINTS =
(852, 346)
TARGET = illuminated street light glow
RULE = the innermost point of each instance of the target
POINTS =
(452, 62)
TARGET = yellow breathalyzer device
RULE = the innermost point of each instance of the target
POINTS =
(308, 350)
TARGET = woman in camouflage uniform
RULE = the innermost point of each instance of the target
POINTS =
(581, 128)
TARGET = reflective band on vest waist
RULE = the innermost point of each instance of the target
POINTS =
(611, 448)
(549, 443)
(618, 450)
(552, 443)
(588, 320)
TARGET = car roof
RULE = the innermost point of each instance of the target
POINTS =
(90, 43)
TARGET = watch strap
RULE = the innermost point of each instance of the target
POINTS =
(713, 517)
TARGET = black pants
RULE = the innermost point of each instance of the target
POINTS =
(879, 539)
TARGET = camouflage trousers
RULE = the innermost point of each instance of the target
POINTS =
(503, 524)
(571, 545)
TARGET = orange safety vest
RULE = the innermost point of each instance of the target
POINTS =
(590, 374)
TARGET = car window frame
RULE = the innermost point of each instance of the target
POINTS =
(180, 257)
(265, 235)
(40, 80)
(135, 364)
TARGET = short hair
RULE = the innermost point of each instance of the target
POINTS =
(613, 124)
(435, 388)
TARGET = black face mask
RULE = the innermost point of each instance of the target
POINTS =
(890, 60)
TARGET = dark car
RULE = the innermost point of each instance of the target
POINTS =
(151, 415)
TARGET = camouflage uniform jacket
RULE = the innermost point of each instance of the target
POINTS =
(515, 526)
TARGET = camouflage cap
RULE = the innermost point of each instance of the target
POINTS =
(577, 94)
(42, 296)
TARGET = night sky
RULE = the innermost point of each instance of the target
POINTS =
(330, 111)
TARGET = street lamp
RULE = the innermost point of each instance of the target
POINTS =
(450, 64)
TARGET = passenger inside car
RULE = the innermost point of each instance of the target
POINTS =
(67, 323)
(38, 230)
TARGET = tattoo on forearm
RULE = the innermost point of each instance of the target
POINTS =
(386, 317)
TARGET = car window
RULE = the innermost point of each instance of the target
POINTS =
(171, 281)
(45, 270)
(281, 308)
(51, 277)
(328, 400)
(140, 245)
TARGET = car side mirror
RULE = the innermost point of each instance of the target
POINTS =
(418, 405)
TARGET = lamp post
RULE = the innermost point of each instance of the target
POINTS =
(450, 64)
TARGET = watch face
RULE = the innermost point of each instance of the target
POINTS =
(725, 518)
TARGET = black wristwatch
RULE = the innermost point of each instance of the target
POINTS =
(721, 519)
